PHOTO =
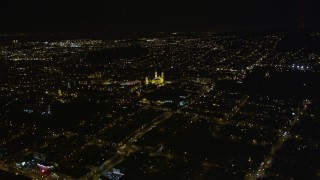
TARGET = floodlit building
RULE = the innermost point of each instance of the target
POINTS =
(115, 174)
(157, 80)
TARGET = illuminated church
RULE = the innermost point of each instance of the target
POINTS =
(157, 80)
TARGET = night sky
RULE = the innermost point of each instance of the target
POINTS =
(154, 15)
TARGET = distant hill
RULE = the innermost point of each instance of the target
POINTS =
(294, 42)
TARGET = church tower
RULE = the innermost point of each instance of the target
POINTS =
(59, 92)
(162, 77)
